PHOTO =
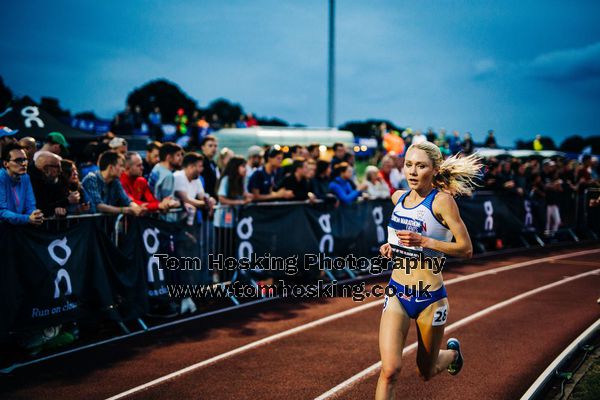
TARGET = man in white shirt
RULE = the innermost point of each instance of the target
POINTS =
(188, 186)
(189, 189)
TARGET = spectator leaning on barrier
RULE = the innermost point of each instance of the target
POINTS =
(104, 188)
(17, 202)
(210, 173)
(47, 186)
(231, 185)
(162, 181)
(263, 180)
(136, 186)
(188, 186)
(231, 193)
(77, 199)
(376, 187)
(55, 143)
(341, 185)
(297, 181)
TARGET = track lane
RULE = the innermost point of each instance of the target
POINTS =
(302, 365)
(506, 352)
(122, 365)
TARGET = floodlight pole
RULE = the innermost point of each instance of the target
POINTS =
(331, 72)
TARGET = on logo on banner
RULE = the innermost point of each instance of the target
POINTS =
(62, 273)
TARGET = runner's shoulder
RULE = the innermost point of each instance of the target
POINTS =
(397, 195)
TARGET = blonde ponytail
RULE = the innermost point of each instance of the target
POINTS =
(457, 174)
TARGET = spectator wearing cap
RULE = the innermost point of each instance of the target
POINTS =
(55, 143)
(136, 186)
(376, 187)
(30, 146)
(47, 186)
(264, 179)
(119, 145)
(7, 136)
(341, 186)
(104, 188)
(17, 201)
(151, 158)
(255, 157)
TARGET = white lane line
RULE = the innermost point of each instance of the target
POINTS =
(375, 367)
(541, 381)
(330, 318)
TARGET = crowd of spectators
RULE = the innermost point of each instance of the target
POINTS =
(200, 187)
(194, 127)
(111, 179)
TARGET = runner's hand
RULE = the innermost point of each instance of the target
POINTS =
(386, 250)
(408, 238)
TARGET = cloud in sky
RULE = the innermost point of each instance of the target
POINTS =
(516, 66)
(578, 64)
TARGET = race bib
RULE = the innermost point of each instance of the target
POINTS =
(440, 316)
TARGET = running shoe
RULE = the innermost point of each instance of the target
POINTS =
(455, 367)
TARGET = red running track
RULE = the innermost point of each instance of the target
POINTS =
(505, 349)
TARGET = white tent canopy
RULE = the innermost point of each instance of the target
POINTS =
(239, 139)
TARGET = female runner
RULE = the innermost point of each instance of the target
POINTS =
(423, 222)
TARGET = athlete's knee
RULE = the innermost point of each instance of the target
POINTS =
(390, 372)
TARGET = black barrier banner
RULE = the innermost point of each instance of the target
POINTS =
(54, 277)
(145, 238)
(488, 216)
(283, 231)
(530, 212)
